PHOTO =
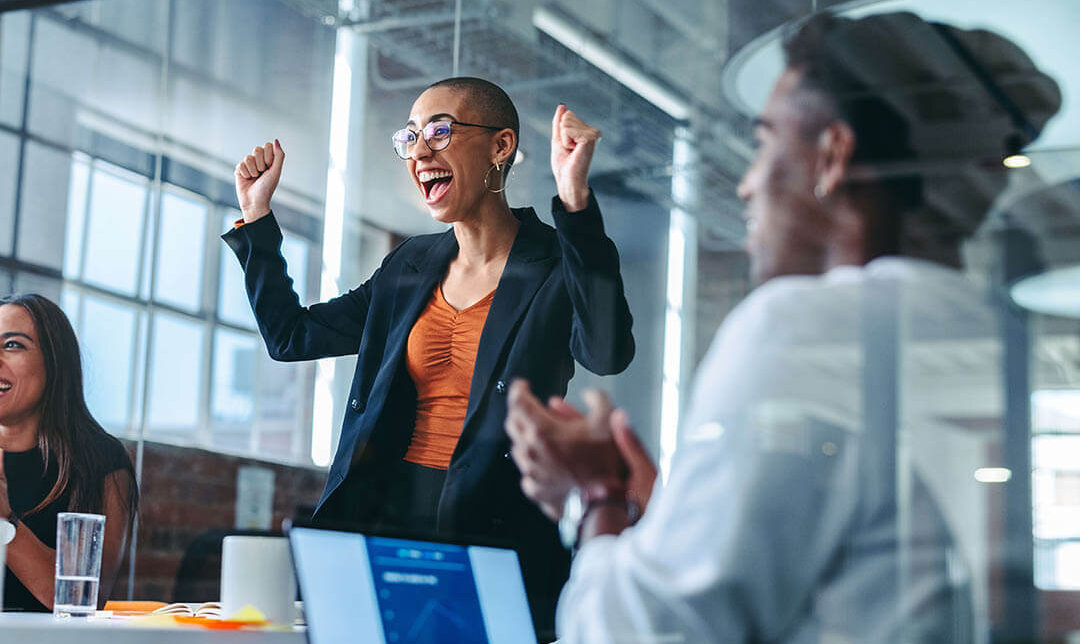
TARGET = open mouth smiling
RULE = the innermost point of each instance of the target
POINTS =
(434, 183)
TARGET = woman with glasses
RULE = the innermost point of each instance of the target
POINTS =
(448, 320)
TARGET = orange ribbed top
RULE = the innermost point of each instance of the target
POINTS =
(440, 358)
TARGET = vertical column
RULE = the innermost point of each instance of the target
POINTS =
(681, 287)
(349, 62)
(1017, 256)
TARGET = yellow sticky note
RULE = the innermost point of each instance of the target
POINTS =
(247, 614)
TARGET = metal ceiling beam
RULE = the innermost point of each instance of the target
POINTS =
(413, 21)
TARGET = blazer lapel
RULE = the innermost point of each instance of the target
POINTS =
(417, 281)
(527, 267)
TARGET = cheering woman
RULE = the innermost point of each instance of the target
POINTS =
(447, 321)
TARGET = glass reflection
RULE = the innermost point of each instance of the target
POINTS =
(107, 106)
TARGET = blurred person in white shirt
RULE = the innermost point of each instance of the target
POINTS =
(822, 488)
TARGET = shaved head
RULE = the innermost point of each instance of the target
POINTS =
(491, 104)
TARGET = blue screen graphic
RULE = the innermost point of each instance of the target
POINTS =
(425, 592)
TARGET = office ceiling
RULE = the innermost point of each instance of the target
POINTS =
(668, 42)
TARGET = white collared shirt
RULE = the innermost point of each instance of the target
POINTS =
(796, 510)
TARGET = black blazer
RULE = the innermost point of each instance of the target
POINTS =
(560, 298)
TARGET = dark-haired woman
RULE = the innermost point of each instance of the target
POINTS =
(55, 456)
(448, 320)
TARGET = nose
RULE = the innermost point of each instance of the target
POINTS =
(420, 149)
(743, 189)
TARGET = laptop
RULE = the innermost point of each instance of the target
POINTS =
(367, 588)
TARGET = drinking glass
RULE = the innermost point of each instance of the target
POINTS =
(79, 540)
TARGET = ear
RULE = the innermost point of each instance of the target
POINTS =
(836, 145)
(505, 143)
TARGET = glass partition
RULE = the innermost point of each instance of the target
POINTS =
(121, 122)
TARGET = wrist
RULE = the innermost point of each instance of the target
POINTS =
(575, 200)
(602, 507)
(253, 212)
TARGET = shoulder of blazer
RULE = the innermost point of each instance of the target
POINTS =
(536, 240)
(422, 252)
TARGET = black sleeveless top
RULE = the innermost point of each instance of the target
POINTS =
(29, 482)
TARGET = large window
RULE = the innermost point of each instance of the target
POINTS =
(170, 345)
(1056, 465)
(119, 124)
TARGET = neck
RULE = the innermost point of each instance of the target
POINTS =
(851, 243)
(20, 435)
(488, 236)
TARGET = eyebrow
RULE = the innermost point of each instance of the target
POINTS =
(15, 334)
(434, 117)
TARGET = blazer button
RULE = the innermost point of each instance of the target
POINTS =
(506, 455)
(500, 386)
(355, 404)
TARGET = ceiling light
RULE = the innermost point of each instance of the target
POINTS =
(597, 52)
(1016, 161)
(993, 474)
(1054, 292)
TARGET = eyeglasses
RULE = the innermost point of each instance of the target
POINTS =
(436, 135)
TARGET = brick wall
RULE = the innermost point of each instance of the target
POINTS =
(188, 492)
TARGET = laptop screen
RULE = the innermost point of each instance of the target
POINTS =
(365, 588)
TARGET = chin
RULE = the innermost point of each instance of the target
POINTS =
(442, 215)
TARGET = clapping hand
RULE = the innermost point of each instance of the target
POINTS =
(572, 144)
(556, 448)
(256, 179)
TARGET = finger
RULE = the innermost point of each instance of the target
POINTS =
(582, 135)
(542, 494)
(279, 155)
(260, 160)
(521, 427)
(553, 512)
(268, 154)
(533, 463)
(626, 440)
(531, 488)
(241, 171)
(556, 124)
(600, 407)
(548, 504)
(522, 401)
(249, 163)
(530, 469)
(565, 128)
(563, 409)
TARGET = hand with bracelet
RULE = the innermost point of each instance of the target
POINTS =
(589, 472)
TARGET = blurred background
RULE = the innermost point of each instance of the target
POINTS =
(121, 121)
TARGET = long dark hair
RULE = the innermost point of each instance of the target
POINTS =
(68, 433)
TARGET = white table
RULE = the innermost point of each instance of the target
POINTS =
(43, 628)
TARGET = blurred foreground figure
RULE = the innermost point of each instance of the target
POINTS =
(822, 490)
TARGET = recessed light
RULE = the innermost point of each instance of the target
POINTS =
(993, 474)
(1016, 161)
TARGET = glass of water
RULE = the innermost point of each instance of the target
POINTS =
(79, 540)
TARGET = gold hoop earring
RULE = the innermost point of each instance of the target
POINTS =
(487, 176)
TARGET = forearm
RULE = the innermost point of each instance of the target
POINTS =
(602, 338)
(291, 331)
(33, 563)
